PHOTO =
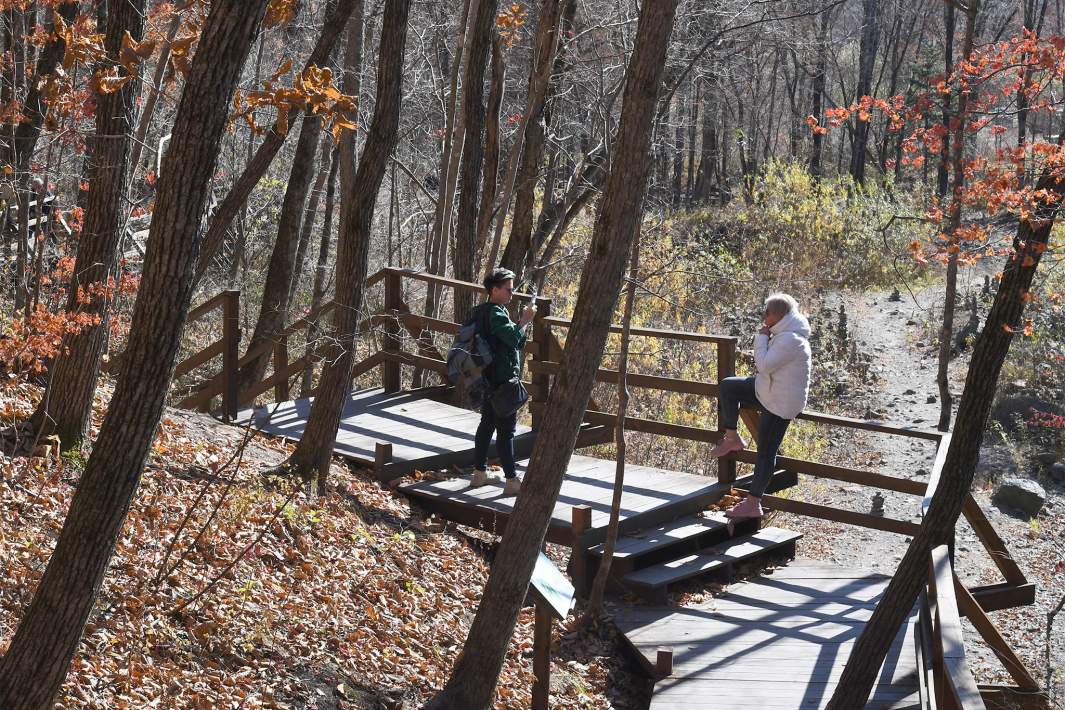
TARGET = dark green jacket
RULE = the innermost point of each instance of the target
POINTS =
(506, 339)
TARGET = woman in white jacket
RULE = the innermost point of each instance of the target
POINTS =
(782, 359)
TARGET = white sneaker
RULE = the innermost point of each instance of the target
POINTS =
(512, 487)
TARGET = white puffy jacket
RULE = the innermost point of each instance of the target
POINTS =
(783, 363)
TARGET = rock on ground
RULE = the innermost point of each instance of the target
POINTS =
(1022, 495)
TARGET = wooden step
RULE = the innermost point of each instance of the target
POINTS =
(659, 577)
(690, 529)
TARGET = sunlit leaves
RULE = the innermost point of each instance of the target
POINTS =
(312, 90)
(510, 21)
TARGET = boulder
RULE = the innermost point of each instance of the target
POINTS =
(1009, 411)
(1046, 458)
(1022, 495)
(996, 462)
(1056, 471)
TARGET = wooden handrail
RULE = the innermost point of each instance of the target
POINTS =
(434, 279)
(206, 307)
(954, 683)
(655, 332)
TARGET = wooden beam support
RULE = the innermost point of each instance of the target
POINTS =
(664, 662)
(970, 608)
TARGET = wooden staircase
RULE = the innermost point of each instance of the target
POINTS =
(649, 562)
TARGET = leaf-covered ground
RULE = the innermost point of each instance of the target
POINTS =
(331, 602)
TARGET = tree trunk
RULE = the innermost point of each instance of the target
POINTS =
(602, 575)
(264, 154)
(154, 89)
(491, 153)
(482, 25)
(277, 291)
(989, 353)
(310, 211)
(539, 83)
(554, 15)
(67, 402)
(321, 274)
(950, 291)
(866, 61)
(708, 153)
(818, 90)
(473, 681)
(315, 449)
(455, 136)
(33, 669)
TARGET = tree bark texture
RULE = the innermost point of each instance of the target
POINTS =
(866, 61)
(989, 353)
(482, 26)
(473, 681)
(264, 155)
(33, 669)
(315, 449)
(277, 291)
(67, 403)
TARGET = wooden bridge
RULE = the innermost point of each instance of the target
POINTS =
(779, 640)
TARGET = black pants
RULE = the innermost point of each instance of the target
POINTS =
(503, 428)
(771, 428)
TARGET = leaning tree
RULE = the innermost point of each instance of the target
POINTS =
(34, 666)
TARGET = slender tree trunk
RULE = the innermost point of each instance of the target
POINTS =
(950, 293)
(554, 15)
(708, 153)
(154, 89)
(33, 669)
(67, 402)
(491, 152)
(321, 273)
(358, 200)
(482, 25)
(602, 575)
(474, 678)
(310, 211)
(956, 480)
(818, 90)
(455, 137)
(277, 291)
(866, 61)
(231, 205)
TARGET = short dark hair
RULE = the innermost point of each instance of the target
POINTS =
(496, 277)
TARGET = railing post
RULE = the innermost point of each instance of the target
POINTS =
(726, 367)
(390, 367)
(280, 365)
(231, 353)
(541, 351)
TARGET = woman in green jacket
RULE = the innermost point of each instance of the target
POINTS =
(507, 339)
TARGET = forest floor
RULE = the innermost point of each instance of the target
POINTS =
(271, 598)
(896, 335)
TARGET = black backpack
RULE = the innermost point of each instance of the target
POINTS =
(470, 356)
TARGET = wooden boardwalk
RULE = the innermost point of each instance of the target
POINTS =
(421, 431)
(651, 495)
(778, 642)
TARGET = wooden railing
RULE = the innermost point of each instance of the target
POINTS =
(397, 325)
(945, 679)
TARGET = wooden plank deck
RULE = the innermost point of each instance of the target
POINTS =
(588, 481)
(778, 641)
(420, 430)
